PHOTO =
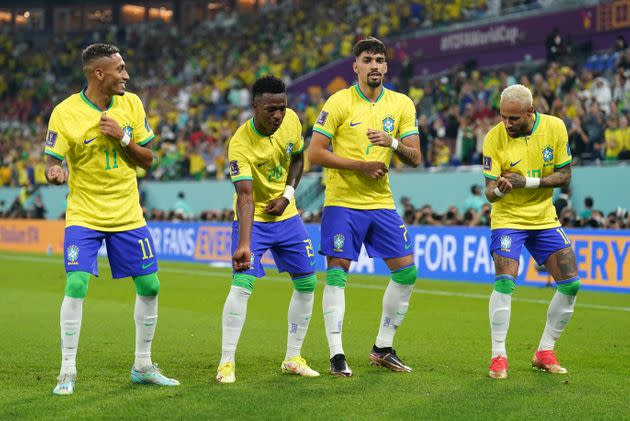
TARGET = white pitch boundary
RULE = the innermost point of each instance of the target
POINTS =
(442, 293)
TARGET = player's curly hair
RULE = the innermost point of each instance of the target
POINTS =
(96, 51)
(371, 45)
(268, 85)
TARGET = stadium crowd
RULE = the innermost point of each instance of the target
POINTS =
(195, 90)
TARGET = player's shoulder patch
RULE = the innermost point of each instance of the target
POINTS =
(234, 169)
(321, 119)
(487, 163)
(51, 139)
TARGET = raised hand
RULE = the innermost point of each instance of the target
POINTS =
(277, 206)
(110, 127)
(373, 169)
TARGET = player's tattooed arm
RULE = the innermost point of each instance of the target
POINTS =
(501, 183)
(245, 214)
(559, 178)
(319, 154)
(55, 174)
(408, 149)
(277, 206)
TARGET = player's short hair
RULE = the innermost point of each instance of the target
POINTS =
(268, 85)
(519, 94)
(96, 51)
(371, 45)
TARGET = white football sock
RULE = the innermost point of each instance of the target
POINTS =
(70, 322)
(300, 312)
(234, 312)
(145, 314)
(558, 315)
(334, 306)
(500, 307)
(395, 305)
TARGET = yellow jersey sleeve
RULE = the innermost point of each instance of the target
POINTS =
(142, 133)
(57, 144)
(330, 117)
(563, 156)
(240, 167)
(408, 122)
(491, 159)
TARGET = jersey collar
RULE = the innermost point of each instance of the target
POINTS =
(254, 129)
(363, 97)
(93, 105)
(536, 124)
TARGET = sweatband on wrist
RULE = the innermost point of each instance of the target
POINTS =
(532, 182)
(124, 142)
(498, 192)
(394, 144)
(289, 191)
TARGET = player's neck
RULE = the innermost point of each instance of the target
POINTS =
(259, 129)
(97, 98)
(371, 93)
(532, 123)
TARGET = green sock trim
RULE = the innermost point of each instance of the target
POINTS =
(570, 288)
(305, 283)
(147, 285)
(244, 281)
(504, 285)
(77, 284)
(405, 276)
(336, 277)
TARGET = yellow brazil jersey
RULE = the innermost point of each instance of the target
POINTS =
(345, 119)
(536, 155)
(265, 160)
(103, 190)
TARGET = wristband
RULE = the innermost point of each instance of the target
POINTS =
(532, 182)
(394, 144)
(124, 142)
(498, 192)
(289, 191)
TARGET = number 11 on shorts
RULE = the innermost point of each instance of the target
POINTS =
(144, 251)
(563, 235)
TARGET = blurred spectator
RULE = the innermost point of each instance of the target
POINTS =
(588, 208)
(182, 208)
(475, 200)
(564, 200)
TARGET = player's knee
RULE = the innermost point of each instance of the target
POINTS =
(406, 275)
(77, 284)
(244, 280)
(336, 277)
(305, 283)
(147, 285)
(570, 286)
(505, 284)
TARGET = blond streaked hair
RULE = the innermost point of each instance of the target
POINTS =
(519, 94)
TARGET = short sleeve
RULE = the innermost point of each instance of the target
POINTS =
(57, 144)
(491, 160)
(408, 123)
(563, 155)
(240, 167)
(330, 117)
(142, 133)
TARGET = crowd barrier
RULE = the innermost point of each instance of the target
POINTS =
(443, 253)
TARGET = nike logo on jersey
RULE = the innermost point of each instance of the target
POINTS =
(355, 124)
(146, 265)
(261, 164)
(86, 141)
(513, 164)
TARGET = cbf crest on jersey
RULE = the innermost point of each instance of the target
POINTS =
(289, 149)
(72, 254)
(338, 242)
(547, 153)
(506, 243)
(388, 124)
(128, 130)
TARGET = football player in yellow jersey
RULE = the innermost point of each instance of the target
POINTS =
(366, 124)
(103, 135)
(266, 163)
(524, 158)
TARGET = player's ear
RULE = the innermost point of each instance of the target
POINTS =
(355, 66)
(530, 110)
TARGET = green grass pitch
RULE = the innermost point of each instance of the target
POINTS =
(445, 338)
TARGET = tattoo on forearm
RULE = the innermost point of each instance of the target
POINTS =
(558, 178)
(407, 155)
